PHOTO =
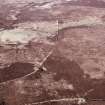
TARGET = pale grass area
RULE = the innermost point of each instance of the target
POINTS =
(22, 36)
(87, 21)
(16, 35)
(38, 31)
(44, 26)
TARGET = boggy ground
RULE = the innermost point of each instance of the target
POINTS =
(73, 31)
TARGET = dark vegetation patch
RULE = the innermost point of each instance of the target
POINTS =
(98, 91)
(72, 72)
(15, 70)
(68, 70)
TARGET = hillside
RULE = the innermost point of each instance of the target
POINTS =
(52, 51)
